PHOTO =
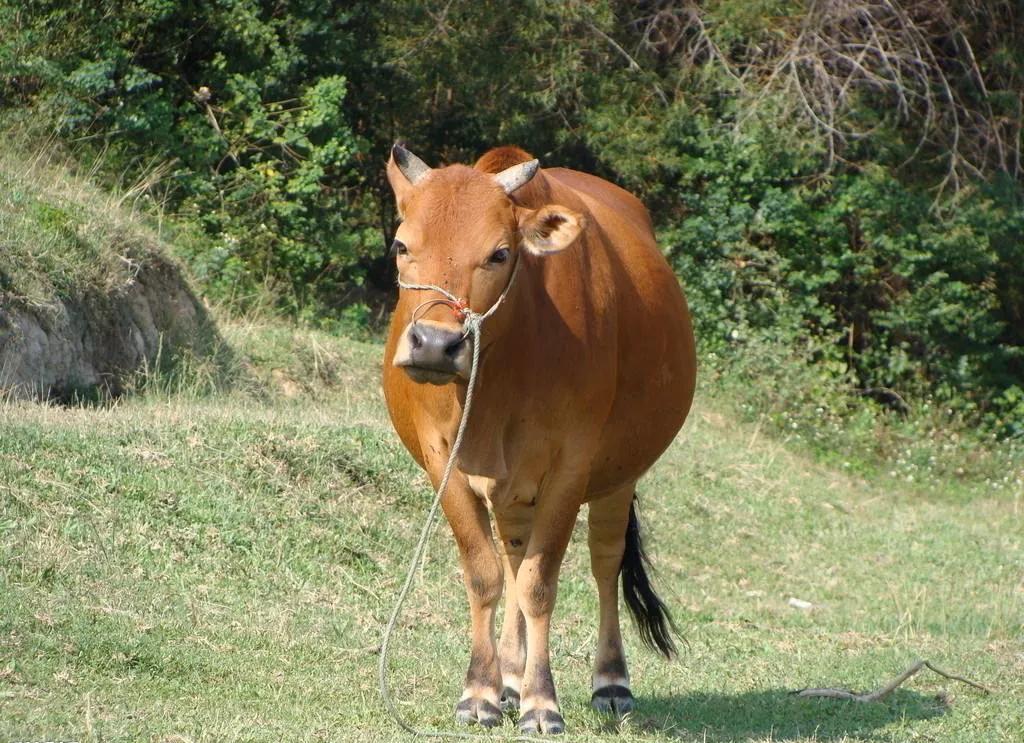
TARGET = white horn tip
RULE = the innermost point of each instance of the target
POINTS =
(517, 176)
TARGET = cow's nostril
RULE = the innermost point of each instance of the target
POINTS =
(453, 348)
(415, 339)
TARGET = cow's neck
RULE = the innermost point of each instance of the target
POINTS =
(506, 353)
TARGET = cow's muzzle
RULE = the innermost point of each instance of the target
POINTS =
(434, 353)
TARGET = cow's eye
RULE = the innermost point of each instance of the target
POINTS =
(499, 256)
(398, 248)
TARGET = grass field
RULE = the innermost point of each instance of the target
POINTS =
(217, 567)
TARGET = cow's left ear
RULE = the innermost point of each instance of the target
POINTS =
(549, 229)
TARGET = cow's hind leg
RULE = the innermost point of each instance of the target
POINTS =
(482, 574)
(608, 519)
(617, 549)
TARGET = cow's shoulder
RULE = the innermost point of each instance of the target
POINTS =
(602, 195)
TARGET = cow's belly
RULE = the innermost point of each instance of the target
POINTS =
(652, 402)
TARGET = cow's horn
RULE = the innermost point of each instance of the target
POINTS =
(511, 179)
(411, 166)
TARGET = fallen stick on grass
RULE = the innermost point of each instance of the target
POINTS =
(882, 692)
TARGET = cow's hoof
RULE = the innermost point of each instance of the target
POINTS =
(542, 721)
(509, 699)
(613, 699)
(476, 711)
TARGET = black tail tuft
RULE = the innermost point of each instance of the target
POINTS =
(649, 612)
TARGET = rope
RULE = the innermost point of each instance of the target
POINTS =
(471, 326)
(471, 321)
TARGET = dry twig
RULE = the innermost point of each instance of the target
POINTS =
(839, 58)
(634, 66)
(883, 691)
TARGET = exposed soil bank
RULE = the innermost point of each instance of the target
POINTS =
(97, 342)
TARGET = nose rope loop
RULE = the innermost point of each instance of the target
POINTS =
(458, 308)
(471, 321)
(471, 325)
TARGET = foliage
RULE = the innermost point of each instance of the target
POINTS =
(847, 173)
(231, 112)
(904, 303)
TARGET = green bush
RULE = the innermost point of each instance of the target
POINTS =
(231, 113)
(908, 301)
(842, 177)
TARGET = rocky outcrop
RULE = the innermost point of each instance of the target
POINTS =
(78, 346)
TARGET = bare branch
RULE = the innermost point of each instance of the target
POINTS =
(883, 691)
(633, 65)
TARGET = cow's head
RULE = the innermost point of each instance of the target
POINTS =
(462, 232)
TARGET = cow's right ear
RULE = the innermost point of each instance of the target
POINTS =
(550, 229)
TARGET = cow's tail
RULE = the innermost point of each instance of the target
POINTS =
(648, 610)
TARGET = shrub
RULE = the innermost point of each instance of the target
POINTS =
(231, 112)
(843, 177)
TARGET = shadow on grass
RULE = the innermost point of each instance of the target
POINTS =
(775, 714)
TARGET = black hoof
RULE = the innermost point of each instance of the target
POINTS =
(542, 721)
(614, 699)
(509, 699)
(477, 712)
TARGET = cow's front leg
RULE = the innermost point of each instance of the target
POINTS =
(482, 574)
(536, 588)
(514, 525)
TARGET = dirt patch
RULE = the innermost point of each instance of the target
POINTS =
(97, 341)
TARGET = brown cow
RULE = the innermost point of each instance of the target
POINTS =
(586, 374)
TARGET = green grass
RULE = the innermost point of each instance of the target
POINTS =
(62, 237)
(928, 449)
(218, 566)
